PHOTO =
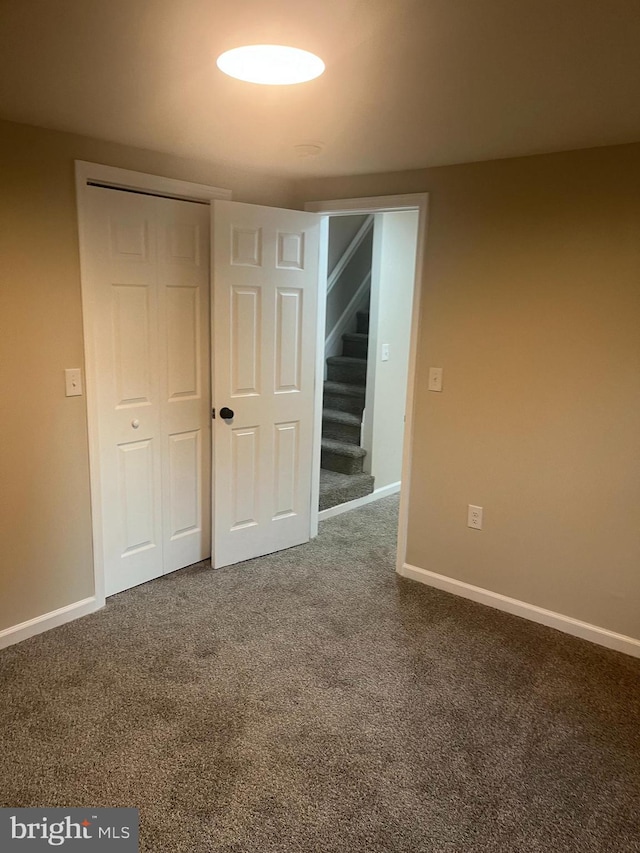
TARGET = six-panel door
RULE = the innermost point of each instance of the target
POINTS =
(149, 274)
(265, 281)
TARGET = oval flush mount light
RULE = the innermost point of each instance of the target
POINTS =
(270, 64)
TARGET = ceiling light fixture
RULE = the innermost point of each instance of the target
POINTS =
(270, 64)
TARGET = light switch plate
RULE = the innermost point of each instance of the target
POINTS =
(73, 382)
(384, 356)
(435, 379)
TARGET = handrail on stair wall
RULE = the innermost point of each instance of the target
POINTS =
(332, 343)
(349, 252)
(342, 323)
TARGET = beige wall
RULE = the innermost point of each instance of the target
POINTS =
(532, 307)
(45, 558)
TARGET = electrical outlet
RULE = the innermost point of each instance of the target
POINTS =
(435, 379)
(474, 517)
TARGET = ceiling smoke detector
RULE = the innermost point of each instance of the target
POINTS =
(308, 149)
(270, 64)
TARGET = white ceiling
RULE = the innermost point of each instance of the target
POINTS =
(409, 83)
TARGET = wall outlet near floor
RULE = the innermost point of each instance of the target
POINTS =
(435, 379)
(474, 517)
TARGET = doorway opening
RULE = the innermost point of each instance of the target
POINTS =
(345, 473)
(371, 268)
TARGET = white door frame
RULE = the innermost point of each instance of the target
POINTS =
(384, 204)
(88, 174)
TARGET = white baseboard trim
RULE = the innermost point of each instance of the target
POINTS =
(18, 633)
(383, 492)
(567, 624)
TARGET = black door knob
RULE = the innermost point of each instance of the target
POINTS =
(226, 413)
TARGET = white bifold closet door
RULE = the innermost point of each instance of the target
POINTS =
(148, 264)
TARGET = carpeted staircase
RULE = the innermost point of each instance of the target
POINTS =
(341, 476)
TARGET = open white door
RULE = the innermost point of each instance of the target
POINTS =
(265, 286)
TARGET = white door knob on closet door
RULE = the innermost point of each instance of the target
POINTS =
(135, 423)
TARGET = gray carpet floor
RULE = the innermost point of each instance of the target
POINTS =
(314, 701)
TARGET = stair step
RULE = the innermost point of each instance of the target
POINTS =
(355, 344)
(342, 457)
(341, 426)
(342, 368)
(344, 397)
(343, 449)
(336, 488)
(345, 389)
(362, 319)
(339, 417)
